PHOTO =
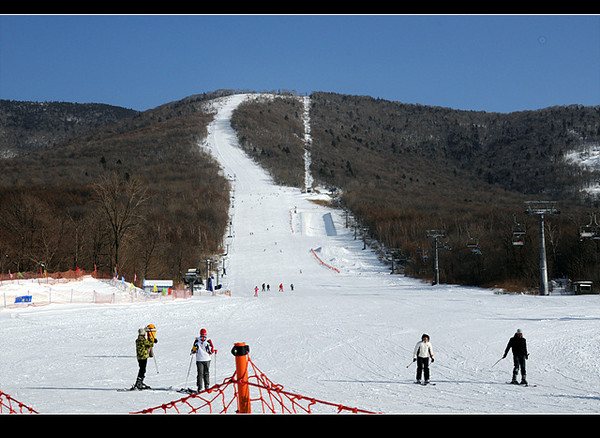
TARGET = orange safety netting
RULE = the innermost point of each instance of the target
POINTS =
(271, 398)
(9, 405)
(323, 263)
(223, 398)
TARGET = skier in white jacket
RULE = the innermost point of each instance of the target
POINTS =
(423, 352)
(203, 348)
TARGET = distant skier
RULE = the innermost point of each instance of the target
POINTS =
(255, 291)
(203, 348)
(520, 355)
(280, 287)
(142, 347)
(423, 352)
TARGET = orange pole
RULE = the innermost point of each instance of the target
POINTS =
(240, 351)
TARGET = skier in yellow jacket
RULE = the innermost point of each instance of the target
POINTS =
(143, 347)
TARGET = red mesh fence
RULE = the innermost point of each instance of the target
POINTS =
(267, 397)
(51, 276)
(9, 405)
(264, 397)
(323, 263)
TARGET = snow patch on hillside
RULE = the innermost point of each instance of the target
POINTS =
(587, 157)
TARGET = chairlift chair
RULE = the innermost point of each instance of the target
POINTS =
(517, 240)
(473, 245)
(445, 245)
(518, 237)
(585, 232)
(591, 230)
(518, 233)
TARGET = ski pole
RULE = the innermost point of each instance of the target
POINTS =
(410, 364)
(189, 368)
(215, 367)
(497, 361)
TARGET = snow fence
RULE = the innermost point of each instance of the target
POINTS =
(39, 289)
(247, 391)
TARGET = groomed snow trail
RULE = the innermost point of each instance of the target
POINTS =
(345, 335)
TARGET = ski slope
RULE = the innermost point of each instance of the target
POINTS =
(345, 334)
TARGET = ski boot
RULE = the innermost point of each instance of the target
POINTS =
(140, 385)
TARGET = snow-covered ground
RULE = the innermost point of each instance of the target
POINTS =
(587, 156)
(343, 335)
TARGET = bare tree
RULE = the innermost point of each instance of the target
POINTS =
(120, 200)
(19, 222)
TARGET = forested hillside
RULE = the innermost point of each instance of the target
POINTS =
(97, 186)
(32, 126)
(137, 194)
(403, 169)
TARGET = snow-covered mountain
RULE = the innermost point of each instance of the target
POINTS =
(344, 334)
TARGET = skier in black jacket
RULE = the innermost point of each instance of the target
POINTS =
(520, 354)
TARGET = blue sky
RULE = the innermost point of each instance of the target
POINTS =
(500, 63)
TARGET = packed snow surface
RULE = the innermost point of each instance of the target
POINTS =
(345, 334)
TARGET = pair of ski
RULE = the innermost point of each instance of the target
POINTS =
(510, 383)
(147, 388)
(170, 388)
(521, 384)
(188, 391)
(424, 383)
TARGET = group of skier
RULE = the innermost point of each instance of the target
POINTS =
(202, 347)
(268, 288)
(423, 353)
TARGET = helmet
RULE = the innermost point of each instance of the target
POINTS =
(141, 332)
(519, 332)
(203, 332)
(425, 335)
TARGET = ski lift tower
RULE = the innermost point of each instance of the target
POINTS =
(435, 235)
(542, 208)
